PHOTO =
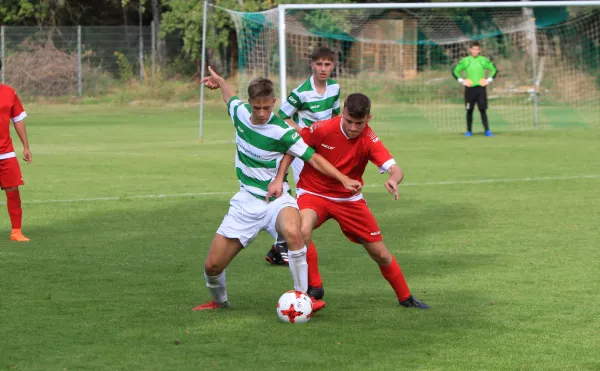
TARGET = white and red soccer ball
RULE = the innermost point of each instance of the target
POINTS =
(294, 307)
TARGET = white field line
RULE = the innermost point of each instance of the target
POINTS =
(204, 194)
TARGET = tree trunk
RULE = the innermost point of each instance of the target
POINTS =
(161, 45)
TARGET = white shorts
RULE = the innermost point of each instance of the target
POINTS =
(249, 215)
(297, 166)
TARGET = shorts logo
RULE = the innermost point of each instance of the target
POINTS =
(375, 233)
(326, 146)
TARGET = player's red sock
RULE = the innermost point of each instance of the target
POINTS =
(394, 276)
(13, 203)
(314, 278)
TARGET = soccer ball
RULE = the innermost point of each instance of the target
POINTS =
(294, 307)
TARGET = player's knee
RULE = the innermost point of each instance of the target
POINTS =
(293, 237)
(213, 268)
(306, 233)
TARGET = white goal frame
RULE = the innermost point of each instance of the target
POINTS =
(281, 9)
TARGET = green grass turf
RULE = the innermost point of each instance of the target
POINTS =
(510, 267)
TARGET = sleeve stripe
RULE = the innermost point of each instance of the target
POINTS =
(383, 168)
(19, 117)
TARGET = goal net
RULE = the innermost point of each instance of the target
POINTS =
(548, 61)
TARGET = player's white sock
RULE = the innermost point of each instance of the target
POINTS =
(299, 269)
(216, 286)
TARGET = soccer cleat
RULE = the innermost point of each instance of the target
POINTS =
(278, 255)
(18, 236)
(412, 302)
(317, 305)
(315, 292)
(212, 305)
(489, 133)
(468, 134)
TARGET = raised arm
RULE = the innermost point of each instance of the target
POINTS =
(215, 81)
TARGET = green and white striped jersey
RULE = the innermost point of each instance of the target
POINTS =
(260, 148)
(305, 106)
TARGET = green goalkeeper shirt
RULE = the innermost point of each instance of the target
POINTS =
(474, 68)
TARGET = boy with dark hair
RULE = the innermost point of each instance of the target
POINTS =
(349, 144)
(316, 99)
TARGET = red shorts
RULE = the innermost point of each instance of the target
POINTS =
(354, 217)
(10, 173)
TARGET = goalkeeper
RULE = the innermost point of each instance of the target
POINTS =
(475, 82)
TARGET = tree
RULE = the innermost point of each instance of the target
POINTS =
(161, 46)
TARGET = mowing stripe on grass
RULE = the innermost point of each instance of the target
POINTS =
(203, 194)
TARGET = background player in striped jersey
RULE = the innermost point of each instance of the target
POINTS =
(261, 141)
(349, 144)
(10, 172)
(316, 99)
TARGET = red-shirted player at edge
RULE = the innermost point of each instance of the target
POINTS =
(349, 144)
(10, 172)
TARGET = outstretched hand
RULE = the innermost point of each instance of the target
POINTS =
(392, 188)
(213, 81)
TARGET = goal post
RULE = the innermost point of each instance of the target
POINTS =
(402, 54)
(282, 8)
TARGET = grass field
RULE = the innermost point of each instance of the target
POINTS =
(499, 235)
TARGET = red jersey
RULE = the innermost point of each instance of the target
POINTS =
(10, 109)
(349, 156)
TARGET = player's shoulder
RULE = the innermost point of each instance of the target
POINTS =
(278, 124)
(7, 89)
(305, 87)
(333, 88)
(234, 101)
(237, 106)
(332, 82)
(325, 126)
(370, 136)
